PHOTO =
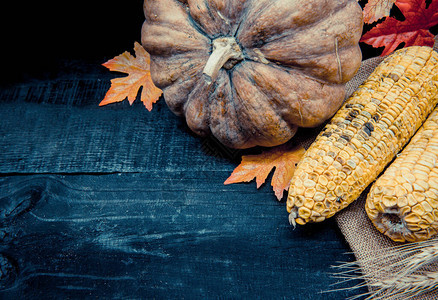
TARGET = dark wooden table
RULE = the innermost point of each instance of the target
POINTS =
(118, 202)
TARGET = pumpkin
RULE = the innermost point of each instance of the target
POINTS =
(251, 72)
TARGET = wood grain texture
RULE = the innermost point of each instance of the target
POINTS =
(74, 135)
(158, 234)
(120, 203)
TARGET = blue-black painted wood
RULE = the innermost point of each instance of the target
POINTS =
(164, 234)
(119, 202)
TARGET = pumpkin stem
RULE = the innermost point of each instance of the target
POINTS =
(226, 53)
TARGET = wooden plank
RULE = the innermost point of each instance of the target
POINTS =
(40, 138)
(56, 126)
(158, 234)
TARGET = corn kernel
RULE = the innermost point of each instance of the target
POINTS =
(304, 212)
(319, 196)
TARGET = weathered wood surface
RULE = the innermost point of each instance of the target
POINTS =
(119, 202)
(75, 135)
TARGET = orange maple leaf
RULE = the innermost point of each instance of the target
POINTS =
(283, 158)
(376, 9)
(139, 75)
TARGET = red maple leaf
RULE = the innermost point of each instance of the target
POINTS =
(413, 31)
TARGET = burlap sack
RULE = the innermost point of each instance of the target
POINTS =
(358, 230)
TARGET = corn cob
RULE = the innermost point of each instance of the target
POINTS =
(403, 202)
(365, 134)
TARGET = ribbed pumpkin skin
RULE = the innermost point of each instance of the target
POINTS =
(296, 58)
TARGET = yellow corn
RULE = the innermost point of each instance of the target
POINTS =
(364, 135)
(403, 202)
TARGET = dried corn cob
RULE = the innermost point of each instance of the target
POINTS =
(403, 202)
(364, 135)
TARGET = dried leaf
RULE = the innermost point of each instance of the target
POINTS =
(283, 158)
(414, 30)
(139, 75)
(374, 10)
